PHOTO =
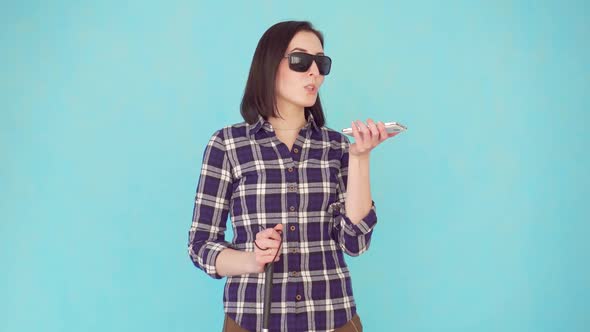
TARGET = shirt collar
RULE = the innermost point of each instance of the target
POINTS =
(261, 122)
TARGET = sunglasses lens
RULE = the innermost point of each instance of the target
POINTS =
(301, 62)
(324, 64)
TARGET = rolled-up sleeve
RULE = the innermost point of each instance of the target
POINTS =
(211, 207)
(354, 239)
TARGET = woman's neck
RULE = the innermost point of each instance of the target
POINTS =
(292, 117)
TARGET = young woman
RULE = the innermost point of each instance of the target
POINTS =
(297, 191)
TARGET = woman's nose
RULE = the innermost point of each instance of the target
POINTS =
(314, 69)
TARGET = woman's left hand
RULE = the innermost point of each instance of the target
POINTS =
(367, 137)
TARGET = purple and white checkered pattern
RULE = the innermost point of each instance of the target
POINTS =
(249, 173)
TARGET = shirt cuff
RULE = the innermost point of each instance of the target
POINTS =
(207, 257)
(365, 226)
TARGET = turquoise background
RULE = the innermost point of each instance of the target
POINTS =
(483, 204)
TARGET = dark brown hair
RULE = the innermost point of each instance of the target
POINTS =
(259, 95)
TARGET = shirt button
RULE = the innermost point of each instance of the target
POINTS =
(292, 228)
(296, 150)
(293, 250)
(292, 188)
(291, 208)
(290, 169)
(298, 297)
(294, 274)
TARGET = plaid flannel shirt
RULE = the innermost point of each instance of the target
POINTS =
(249, 173)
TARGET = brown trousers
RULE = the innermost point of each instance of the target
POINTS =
(353, 325)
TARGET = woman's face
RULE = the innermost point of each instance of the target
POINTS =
(299, 88)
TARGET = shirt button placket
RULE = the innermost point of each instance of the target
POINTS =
(292, 204)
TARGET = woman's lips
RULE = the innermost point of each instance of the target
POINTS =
(310, 88)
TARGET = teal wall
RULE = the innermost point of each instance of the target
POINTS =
(483, 204)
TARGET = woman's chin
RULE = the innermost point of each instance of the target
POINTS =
(309, 102)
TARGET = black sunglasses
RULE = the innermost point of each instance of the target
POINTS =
(300, 62)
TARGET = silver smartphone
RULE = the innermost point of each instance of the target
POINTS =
(391, 127)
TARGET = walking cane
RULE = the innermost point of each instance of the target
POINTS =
(267, 295)
(269, 270)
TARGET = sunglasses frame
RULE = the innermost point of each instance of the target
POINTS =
(314, 59)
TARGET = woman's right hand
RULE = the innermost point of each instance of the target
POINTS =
(270, 240)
